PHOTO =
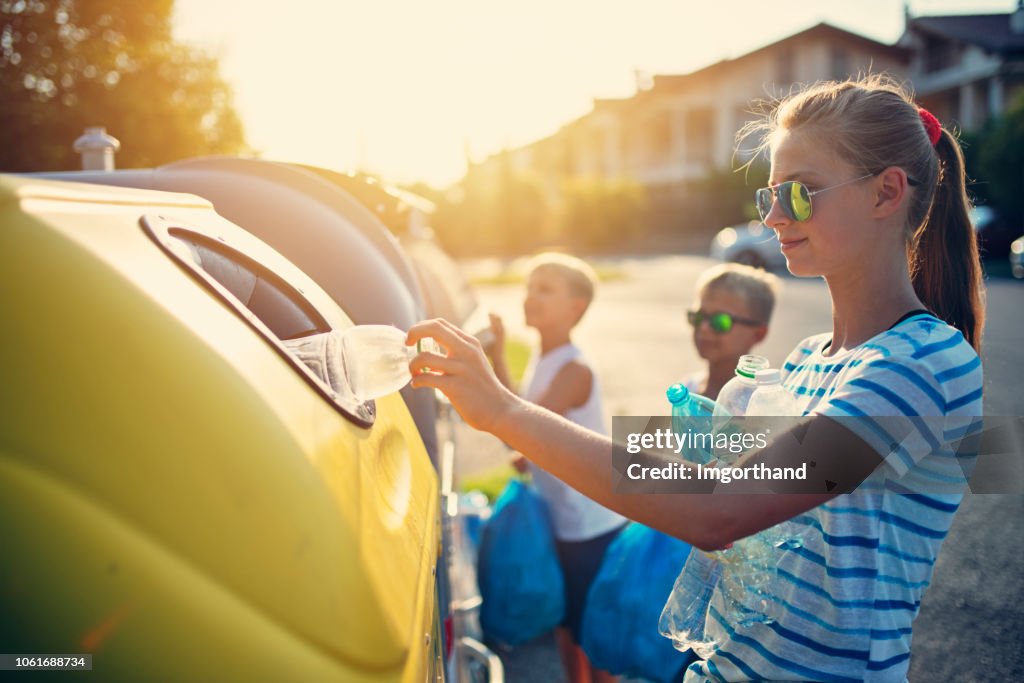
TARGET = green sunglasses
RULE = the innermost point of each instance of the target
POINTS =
(720, 322)
(794, 198)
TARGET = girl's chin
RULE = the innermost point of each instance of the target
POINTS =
(801, 268)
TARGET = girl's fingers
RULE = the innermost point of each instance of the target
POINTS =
(444, 333)
(439, 382)
(433, 361)
(465, 336)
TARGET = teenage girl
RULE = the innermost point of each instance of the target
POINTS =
(867, 191)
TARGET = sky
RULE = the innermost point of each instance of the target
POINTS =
(409, 89)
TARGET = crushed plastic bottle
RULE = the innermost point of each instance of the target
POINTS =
(748, 572)
(684, 619)
(376, 359)
(738, 581)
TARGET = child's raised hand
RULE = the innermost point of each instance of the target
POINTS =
(463, 374)
(520, 464)
(495, 346)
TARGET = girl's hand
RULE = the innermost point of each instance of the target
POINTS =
(463, 374)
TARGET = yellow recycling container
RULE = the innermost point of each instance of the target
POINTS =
(180, 496)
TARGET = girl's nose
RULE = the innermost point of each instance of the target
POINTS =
(776, 216)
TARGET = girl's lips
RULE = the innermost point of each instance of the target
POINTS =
(791, 243)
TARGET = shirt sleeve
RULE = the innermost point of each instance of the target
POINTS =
(896, 405)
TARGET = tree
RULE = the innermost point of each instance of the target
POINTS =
(726, 196)
(68, 64)
(1000, 160)
(601, 214)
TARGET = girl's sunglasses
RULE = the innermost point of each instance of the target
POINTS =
(720, 322)
(794, 198)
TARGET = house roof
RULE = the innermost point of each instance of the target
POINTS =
(663, 82)
(821, 30)
(988, 31)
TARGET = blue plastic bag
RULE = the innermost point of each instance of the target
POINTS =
(520, 579)
(620, 621)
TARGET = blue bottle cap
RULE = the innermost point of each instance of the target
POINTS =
(677, 393)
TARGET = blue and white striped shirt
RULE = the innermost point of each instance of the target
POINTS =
(843, 603)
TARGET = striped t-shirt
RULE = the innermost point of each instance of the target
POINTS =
(843, 604)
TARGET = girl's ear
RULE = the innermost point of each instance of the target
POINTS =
(890, 192)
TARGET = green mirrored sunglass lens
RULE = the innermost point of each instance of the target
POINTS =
(800, 201)
(721, 322)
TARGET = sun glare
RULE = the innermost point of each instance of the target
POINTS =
(410, 89)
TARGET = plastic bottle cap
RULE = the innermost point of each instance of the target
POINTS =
(750, 364)
(768, 376)
(677, 393)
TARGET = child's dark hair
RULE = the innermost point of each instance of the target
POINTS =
(873, 124)
(757, 287)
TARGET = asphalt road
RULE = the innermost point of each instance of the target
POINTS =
(971, 625)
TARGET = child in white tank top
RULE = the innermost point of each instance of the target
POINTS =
(559, 290)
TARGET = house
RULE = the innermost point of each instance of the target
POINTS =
(681, 128)
(966, 68)
(684, 126)
(678, 130)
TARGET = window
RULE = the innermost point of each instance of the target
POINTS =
(746, 146)
(700, 129)
(840, 64)
(785, 69)
(270, 305)
(939, 54)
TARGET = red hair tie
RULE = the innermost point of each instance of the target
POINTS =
(931, 125)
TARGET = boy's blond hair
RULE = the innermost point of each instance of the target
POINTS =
(755, 286)
(578, 275)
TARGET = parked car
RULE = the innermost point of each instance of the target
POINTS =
(995, 231)
(1017, 257)
(190, 490)
(751, 243)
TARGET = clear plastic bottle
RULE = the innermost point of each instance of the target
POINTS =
(733, 399)
(769, 399)
(734, 396)
(739, 579)
(376, 359)
(687, 403)
(691, 412)
(684, 619)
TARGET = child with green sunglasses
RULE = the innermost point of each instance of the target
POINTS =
(733, 308)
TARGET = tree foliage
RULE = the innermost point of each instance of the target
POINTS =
(68, 64)
(995, 159)
(494, 209)
(601, 214)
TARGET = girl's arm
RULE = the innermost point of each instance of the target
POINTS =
(583, 459)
